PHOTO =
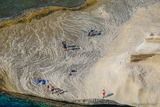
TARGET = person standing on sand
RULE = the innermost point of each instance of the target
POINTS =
(103, 93)
(64, 45)
(48, 87)
(52, 89)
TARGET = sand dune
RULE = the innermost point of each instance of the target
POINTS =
(34, 50)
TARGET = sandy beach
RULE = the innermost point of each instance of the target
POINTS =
(123, 60)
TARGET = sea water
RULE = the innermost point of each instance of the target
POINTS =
(9, 101)
(12, 8)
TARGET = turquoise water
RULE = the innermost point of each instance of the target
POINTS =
(8, 101)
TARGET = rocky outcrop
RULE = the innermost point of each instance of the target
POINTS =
(148, 49)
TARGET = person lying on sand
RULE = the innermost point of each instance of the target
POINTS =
(56, 90)
(72, 74)
(62, 92)
(94, 33)
(52, 90)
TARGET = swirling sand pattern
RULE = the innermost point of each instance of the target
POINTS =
(33, 50)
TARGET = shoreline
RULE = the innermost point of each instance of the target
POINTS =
(49, 102)
(29, 14)
(57, 103)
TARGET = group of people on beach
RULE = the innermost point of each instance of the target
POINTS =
(50, 88)
(72, 72)
(59, 91)
(54, 90)
(76, 47)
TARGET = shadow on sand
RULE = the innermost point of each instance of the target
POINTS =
(105, 105)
